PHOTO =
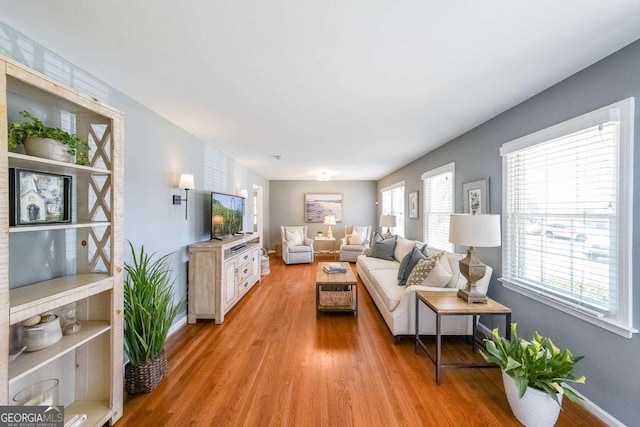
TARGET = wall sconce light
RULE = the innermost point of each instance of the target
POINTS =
(186, 182)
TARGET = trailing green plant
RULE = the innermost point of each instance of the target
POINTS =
(537, 363)
(33, 127)
(149, 309)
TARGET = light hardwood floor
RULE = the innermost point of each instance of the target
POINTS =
(273, 363)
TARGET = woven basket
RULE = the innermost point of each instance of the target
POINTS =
(146, 377)
(335, 298)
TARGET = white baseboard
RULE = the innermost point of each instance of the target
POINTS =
(177, 325)
(587, 404)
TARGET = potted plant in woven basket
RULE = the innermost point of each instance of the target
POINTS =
(534, 374)
(44, 141)
(149, 311)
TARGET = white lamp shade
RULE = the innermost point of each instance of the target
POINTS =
(186, 182)
(387, 220)
(330, 220)
(475, 230)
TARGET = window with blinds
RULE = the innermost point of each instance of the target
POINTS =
(393, 204)
(566, 212)
(438, 206)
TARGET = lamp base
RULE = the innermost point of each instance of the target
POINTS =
(471, 296)
(388, 234)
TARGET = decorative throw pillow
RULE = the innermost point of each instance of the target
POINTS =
(294, 238)
(408, 263)
(403, 247)
(422, 269)
(440, 275)
(383, 248)
(356, 238)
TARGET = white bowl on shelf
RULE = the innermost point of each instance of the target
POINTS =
(42, 335)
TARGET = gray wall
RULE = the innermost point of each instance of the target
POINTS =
(287, 205)
(612, 365)
(156, 153)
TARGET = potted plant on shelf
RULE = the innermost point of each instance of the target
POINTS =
(149, 311)
(534, 374)
(43, 141)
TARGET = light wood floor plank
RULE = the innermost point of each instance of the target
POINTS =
(273, 363)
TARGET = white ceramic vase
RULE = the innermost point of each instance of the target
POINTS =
(535, 409)
(48, 149)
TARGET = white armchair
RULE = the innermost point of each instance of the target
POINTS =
(356, 239)
(297, 248)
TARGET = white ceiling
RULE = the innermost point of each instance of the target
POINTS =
(358, 88)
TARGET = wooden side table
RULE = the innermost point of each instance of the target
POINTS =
(332, 252)
(448, 304)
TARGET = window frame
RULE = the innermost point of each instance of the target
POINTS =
(400, 222)
(449, 167)
(622, 112)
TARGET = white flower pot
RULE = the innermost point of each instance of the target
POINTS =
(48, 149)
(535, 409)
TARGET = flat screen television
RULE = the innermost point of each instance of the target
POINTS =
(227, 212)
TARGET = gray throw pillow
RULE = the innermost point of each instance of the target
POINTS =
(406, 266)
(383, 248)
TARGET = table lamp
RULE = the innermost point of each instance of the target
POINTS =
(330, 220)
(474, 230)
(387, 221)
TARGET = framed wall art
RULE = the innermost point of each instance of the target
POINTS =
(317, 206)
(37, 198)
(475, 196)
(413, 205)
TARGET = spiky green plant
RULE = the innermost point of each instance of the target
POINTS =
(149, 309)
(19, 131)
(537, 363)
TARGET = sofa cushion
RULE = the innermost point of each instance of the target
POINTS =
(403, 247)
(378, 264)
(422, 270)
(384, 282)
(406, 266)
(383, 248)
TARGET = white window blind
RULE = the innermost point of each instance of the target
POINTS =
(393, 204)
(438, 206)
(567, 215)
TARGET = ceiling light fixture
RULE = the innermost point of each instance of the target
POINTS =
(278, 157)
(323, 176)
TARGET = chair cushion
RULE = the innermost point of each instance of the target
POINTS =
(293, 238)
(351, 248)
(299, 249)
(356, 238)
(383, 248)
(406, 266)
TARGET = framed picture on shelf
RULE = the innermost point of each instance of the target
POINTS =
(37, 198)
(475, 196)
(413, 205)
(317, 206)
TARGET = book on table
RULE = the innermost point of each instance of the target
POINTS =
(330, 270)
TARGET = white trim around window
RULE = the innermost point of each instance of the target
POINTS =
(567, 216)
(438, 203)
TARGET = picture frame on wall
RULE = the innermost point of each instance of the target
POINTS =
(317, 206)
(413, 205)
(475, 196)
(37, 198)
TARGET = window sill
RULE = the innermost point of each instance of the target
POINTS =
(602, 322)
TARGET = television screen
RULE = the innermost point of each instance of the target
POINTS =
(227, 213)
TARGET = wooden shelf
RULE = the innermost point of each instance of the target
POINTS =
(24, 161)
(98, 412)
(62, 226)
(30, 300)
(29, 362)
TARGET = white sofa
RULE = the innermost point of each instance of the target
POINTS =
(397, 303)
